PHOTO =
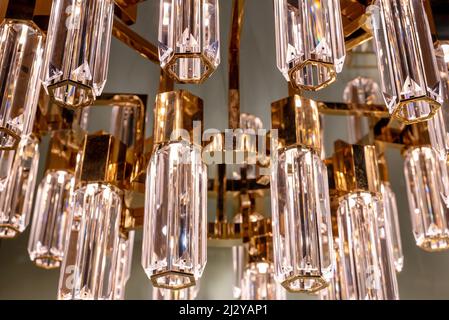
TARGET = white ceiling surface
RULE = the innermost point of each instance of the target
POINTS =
(424, 276)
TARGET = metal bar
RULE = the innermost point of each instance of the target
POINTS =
(166, 83)
(345, 109)
(135, 41)
(238, 11)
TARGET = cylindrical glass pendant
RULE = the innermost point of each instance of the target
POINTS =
(124, 263)
(427, 190)
(259, 283)
(301, 220)
(240, 256)
(51, 219)
(182, 294)
(359, 246)
(189, 39)
(16, 199)
(388, 278)
(302, 232)
(335, 291)
(77, 51)
(174, 245)
(409, 76)
(93, 246)
(21, 46)
(310, 42)
(360, 91)
(438, 126)
(174, 251)
(366, 266)
(391, 215)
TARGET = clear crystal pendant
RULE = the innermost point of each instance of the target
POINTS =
(174, 245)
(388, 279)
(360, 91)
(259, 283)
(175, 235)
(240, 256)
(302, 232)
(51, 219)
(438, 126)
(16, 199)
(392, 225)
(189, 39)
(309, 41)
(335, 290)
(410, 82)
(359, 246)
(21, 46)
(124, 264)
(365, 263)
(93, 248)
(390, 215)
(190, 293)
(427, 190)
(77, 51)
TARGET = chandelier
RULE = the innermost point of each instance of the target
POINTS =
(333, 229)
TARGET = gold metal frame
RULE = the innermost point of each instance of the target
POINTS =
(89, 93)
(319, 64)
(191, 283)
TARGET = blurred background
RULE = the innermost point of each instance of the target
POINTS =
(424, 275)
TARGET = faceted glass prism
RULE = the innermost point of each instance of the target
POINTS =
(427, 182)
(410, 80)
(240, 255)
(16, 199)
(309, 41)
(259, 283)
(302, 231)
(360, 91)
(391, 215)
(77, 51)
(51, 219)
(189, 39)
(438, 126)
(124, 264)
(335, 291)
(21, 46)
(388, 279)
(359, 247)
(175, 236)
(91, 263)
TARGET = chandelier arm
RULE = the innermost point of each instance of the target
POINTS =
(135, 41)
(238, 12)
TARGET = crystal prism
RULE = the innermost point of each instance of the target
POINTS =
(77, 51)
(438, 126)
(427, 181)
(90, 267)
(175, 235)
(16, 199)
(309, 41)
(124, 262)
(21, 46)
(259, 283)
(51, 219)
(391, 215)
(359, 247)
(189, 39)
(410, 81)
(302, 232)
